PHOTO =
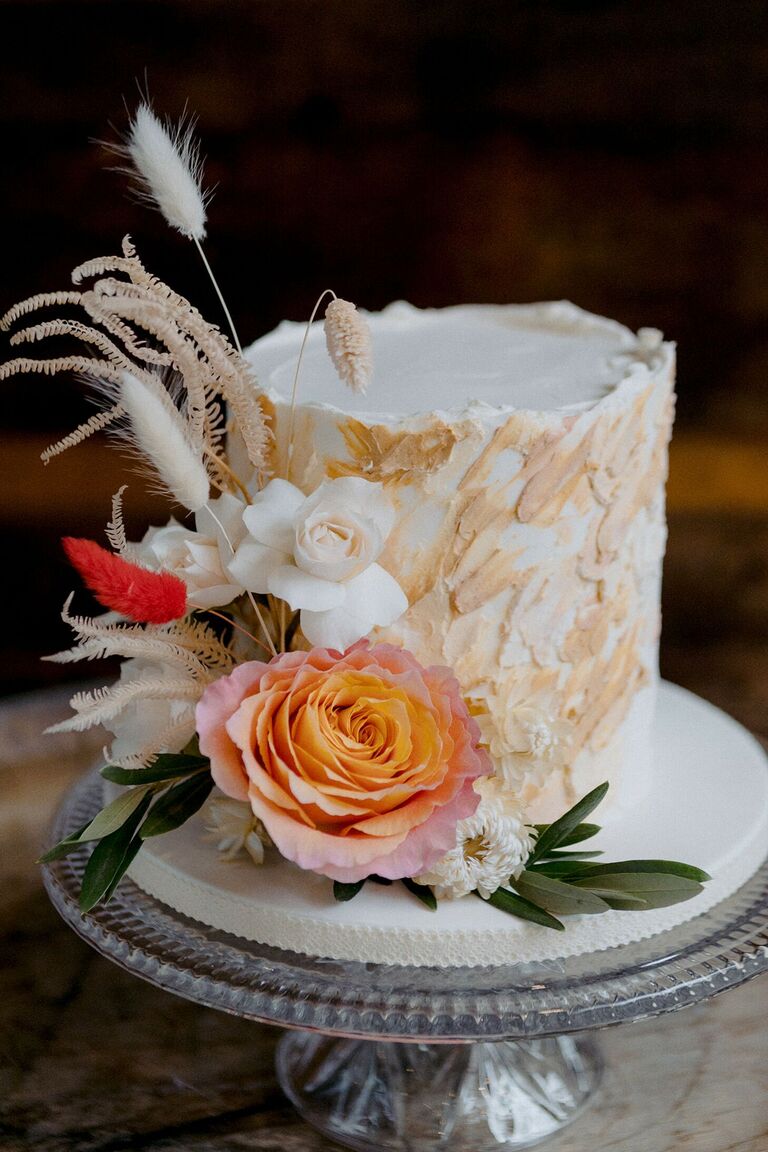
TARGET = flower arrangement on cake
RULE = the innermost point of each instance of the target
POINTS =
(249, 627)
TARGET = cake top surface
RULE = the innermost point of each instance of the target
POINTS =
(541, 357)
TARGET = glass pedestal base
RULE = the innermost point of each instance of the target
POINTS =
(389, 1097)
(397, 1058)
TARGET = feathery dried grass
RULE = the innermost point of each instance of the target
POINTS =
(189, 645)
(95, 423)
(99, 705)
(140, 325)
(184, 657)
(115, 530)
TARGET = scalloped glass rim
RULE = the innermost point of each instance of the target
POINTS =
(707, 955)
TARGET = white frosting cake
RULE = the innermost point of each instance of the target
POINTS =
(529, 538)
(524, 448)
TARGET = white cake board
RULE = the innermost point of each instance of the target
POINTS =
(708, 807)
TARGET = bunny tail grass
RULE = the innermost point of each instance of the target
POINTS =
(349, 344)
(160, 435)
(167, 168)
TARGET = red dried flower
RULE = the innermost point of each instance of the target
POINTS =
(133, 591)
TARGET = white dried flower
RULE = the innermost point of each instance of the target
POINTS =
(168, 170)
(232, 826)
(492, 847)
(349, 344)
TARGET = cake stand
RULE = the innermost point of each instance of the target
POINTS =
(412, 1059)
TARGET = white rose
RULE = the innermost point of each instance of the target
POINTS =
(199, 558)
(319, 554)
(162, 725)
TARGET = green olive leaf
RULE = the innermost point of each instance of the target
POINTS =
(665, 867)
(165, 767)
(176, 805)
(110, 858)
(557, 897)
(115, 814)
(64, 847)
(524, 909)
(557, 833)
(621, 901)
(423, 893)
(560, 869)
(128, 856)
(567, 855)
(580, 833)
(344, 892)
(656, 889)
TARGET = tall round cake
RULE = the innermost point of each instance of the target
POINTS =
(525, 451)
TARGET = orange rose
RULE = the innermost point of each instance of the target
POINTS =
(356, 764)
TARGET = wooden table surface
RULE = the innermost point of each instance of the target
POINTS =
(92, 1059)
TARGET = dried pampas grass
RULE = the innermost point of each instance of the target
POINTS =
(180, 660)
(349, 344)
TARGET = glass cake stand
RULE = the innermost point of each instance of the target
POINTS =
(414, 1059)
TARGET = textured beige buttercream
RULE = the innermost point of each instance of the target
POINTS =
(529, 544)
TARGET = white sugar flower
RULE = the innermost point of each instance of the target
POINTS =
(232, 826)
(199, 557)
(526, 742)
(492, 847)
(319, 554)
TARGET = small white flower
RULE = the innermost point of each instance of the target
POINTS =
(232, 826)
(525, 742)
(492, 847)
(319, 554)
(199, 557)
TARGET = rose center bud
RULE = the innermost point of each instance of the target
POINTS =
(333, 539)
(336, 546)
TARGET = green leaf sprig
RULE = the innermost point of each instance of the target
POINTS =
(557, 881)
(560, 880)
(157, 799)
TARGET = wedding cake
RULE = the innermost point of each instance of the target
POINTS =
(399, 638)
(525, 450)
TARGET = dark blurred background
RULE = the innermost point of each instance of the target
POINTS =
(612, 153)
